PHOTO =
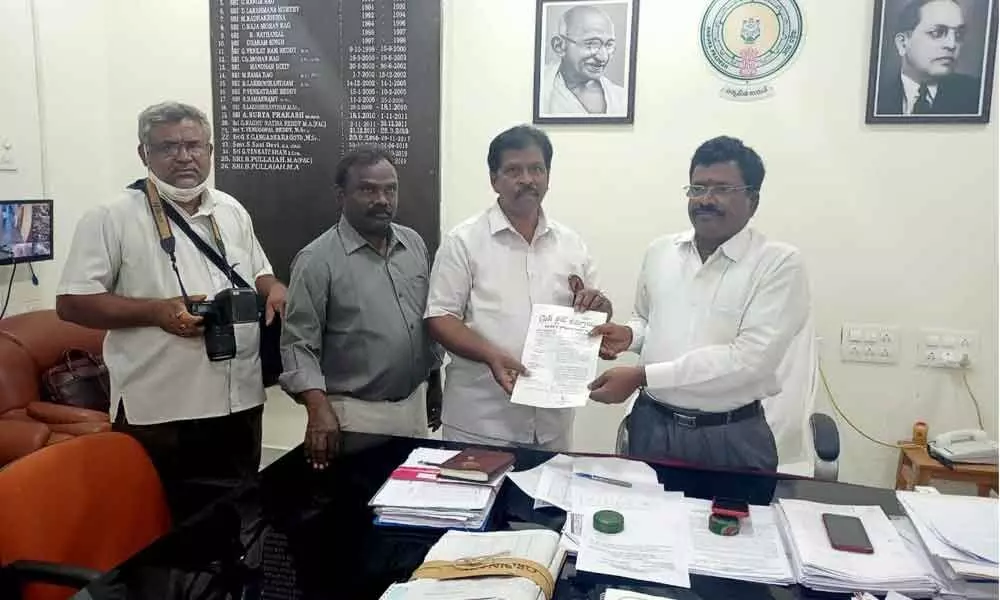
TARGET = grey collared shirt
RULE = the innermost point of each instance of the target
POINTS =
(354, 320)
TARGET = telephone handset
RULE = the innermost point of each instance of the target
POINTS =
(964, 445)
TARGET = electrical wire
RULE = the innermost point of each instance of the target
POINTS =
(975, 402)
(836, 407)
(10, 286)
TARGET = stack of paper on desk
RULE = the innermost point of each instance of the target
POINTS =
(540, 546)
(817, 565)
(414, 496)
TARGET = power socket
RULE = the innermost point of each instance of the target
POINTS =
(947, 348)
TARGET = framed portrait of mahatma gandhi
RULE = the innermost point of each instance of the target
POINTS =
(932, 61)
(585, 61)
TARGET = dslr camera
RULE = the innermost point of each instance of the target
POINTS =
(230, 307)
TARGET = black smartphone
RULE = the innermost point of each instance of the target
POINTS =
(730, 507)
(847, 534)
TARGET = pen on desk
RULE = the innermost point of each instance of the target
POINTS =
(429, 463)
(608, 480)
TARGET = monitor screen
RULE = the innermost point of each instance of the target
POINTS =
(25, 231)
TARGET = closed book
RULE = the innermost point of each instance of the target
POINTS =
(476, 464)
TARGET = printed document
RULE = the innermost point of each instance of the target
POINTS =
(561, 357)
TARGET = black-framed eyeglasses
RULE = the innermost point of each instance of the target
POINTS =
(592, 45)
(717, 191)
(173, 149)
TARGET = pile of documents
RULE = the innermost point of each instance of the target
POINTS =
(539, 546)
(893, 566)
(960, 535)
(415, 495)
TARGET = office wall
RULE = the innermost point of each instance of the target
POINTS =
(898, 225)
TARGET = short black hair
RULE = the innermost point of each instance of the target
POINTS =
(724, 149)
(365, 156)
(519, 138)
(909, 17)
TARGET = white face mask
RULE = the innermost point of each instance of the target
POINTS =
(176, 194)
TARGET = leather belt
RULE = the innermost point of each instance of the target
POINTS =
(693, 419)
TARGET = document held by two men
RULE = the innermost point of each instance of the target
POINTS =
(560, 356)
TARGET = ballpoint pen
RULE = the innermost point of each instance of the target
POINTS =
(608, 480)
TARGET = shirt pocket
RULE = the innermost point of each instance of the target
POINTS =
(722, 324)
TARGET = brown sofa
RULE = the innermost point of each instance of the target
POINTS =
(30, 344)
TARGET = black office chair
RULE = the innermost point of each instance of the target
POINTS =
(825, 437)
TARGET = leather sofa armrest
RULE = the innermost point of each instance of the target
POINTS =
(37, 571)
(82, 428)
(49, 412)
(18, 438)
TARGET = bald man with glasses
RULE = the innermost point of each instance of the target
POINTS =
(576, 85)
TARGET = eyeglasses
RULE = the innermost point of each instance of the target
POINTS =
(592, 45)
(173, 149)
(718, 191)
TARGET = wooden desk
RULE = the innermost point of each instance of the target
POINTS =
(917, 467)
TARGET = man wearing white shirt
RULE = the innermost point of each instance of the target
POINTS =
(715, 311)
(488, 273)
(198, 419)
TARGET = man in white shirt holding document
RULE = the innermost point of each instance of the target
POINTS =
(488, 273)
(715, 311)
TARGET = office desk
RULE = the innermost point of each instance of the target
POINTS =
(917, 467)
(295, 533)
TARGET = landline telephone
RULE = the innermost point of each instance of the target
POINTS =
(964, 446)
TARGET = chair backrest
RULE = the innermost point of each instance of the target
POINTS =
(788, 412)
(92, 501)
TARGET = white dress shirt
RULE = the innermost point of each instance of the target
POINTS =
(488, 276)
(557, 99)
(712, 335)
(159, 376)
(911, 92)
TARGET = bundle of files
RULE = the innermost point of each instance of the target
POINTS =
(513, 565)
(960, 535)
(442, 489)
(893, 566)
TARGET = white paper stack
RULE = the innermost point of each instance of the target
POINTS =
(817, 565)
(960, 535)
(414, 496)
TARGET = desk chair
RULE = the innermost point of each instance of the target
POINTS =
(808, 442)
(74, 509)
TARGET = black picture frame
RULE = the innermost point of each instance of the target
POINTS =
(617, 73)
(886, 103)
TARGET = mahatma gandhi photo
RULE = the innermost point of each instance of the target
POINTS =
(585, 61)
(932, 61)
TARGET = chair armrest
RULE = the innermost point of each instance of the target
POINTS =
(826, 437)
(18, 438)
(49, 412)
(36, 571)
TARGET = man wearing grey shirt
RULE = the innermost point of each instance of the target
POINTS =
(354, 345)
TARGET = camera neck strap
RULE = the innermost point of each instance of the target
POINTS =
(163, 213)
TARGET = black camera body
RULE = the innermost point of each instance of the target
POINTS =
(229, 307)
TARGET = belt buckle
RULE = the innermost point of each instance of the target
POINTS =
(688, 421)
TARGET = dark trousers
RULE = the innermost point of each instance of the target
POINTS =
(743, 446)
(199, 459)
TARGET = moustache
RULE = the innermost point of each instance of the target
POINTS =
(379, 212)
(707, 209)
(526, 189)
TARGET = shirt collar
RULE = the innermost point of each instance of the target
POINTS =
(354, 241)
(499, 221)
(911, 89)
(734, 248)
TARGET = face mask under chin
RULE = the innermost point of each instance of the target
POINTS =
(176, 194)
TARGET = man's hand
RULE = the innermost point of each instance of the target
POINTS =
(615, 339)
(505, 370)
(614, 386)
(276, 300)
(173, 317)
(434, 396)
(587, 299)
(322, 438)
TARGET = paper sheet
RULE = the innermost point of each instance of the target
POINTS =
(554, 485)
(610, 594)
(561, 357)
(423, 494)
(655, 546)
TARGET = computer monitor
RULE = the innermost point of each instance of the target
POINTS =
(25, 231)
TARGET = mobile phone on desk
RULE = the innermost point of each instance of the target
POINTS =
(847, 534)
(730, 507)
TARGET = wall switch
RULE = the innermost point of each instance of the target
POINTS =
(948, 349)
(869, 343)
(7, 162)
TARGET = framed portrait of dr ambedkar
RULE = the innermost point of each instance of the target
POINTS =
(585, 61)
(932, 61)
